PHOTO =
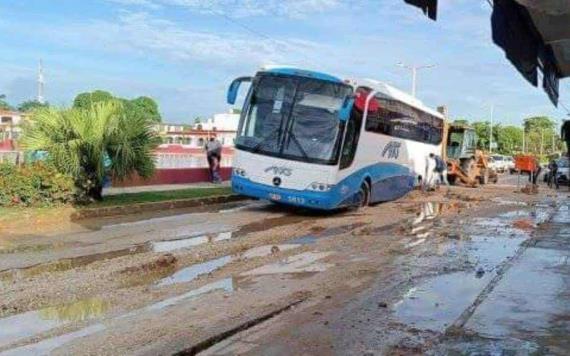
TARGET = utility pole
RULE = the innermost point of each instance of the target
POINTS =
(414, 69)
(491, 129)
(523, 147)
(41, 83)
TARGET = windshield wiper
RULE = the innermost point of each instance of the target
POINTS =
(294, 138)
(257, 147)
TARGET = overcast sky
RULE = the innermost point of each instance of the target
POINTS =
(184, 53)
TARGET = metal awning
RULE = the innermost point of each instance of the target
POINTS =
(535, 35)
(552, 20)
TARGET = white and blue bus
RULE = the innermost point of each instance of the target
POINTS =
(313, 140)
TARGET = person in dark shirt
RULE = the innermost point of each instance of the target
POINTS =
(214, 155)
(552, 177)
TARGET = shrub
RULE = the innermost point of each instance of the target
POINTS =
(93, 143)
(36, 184)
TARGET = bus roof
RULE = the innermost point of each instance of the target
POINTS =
(396, 94)
(290, 70)
(376, 85)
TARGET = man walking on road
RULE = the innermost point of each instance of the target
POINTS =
(214, 155)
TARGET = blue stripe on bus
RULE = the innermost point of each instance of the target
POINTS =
(305, 73)
(389, 181)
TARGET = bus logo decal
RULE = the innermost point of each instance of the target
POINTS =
(392, 150)
(279, 171)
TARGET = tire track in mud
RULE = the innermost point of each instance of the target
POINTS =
(64, 264)
(213, 340)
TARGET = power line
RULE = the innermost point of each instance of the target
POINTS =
(277, 42)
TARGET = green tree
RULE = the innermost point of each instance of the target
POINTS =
(86, 100)
(30, 105)
(537, 123)
(141, 106)
(461, 122)
(509, 139)
(482, 130)
(94, 143)
(540, 132)
(3, 103)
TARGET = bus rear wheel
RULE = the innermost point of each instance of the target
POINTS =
(363, 195)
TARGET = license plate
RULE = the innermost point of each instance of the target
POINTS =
(273, 196)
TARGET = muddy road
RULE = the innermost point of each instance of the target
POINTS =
(466, 271)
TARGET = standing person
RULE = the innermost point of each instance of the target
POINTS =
(536, 172)
(214, 155)
(552, 179)
(436, 171)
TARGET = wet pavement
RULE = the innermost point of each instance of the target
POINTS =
(471, 272)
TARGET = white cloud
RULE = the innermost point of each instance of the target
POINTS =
(247, 8)
(141, 34)
(150, 4)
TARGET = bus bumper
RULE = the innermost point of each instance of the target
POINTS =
(304, 198)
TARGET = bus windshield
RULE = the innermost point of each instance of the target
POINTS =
(294, 118)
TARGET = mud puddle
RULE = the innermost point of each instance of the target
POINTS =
(323, 233)
(48, 345)
(435, 304)
(301, 263)
(170, 215)
(438, 302)
(80, 261)
(195, 271)
(69, 263)
(188, 242)
(21, 326)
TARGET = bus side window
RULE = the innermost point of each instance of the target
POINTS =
(351, 139)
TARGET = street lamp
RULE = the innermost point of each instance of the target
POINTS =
(414, 68)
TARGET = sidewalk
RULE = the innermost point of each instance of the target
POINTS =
(158, 188)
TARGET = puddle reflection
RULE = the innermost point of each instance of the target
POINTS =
(173, 245)
(17, 327)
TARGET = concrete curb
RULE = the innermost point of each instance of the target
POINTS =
(89, 213)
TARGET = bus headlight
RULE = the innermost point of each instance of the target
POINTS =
(320, 187)
(240, 172)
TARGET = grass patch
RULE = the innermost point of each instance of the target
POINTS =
(147, 197)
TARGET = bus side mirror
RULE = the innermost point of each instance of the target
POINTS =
(234, 88)
(344, 113)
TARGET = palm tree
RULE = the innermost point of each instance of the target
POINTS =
(91, 144)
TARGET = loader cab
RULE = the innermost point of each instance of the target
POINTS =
(461, 142)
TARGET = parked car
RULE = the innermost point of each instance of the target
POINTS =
(500, 164)
(510, 164)
(491, 163)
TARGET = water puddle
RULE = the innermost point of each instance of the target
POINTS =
(301, 263)
(437, 303)
(21, 326)
(80, 261)
(173, 245)
(266, 250)
(304, 240)
(172, 215)
(190, 273)
(48, 345)
(502, 201)
(193, 272)
(325, 233)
